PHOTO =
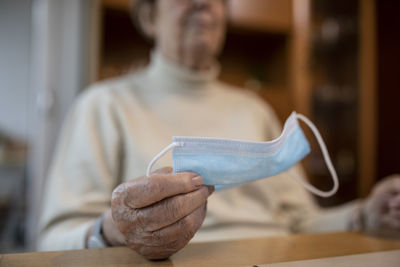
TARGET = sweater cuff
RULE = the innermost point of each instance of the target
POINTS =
(72, 234)
(357, 218)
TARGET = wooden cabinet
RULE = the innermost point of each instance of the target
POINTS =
(263, 15)
(123, 5)
(342, 96)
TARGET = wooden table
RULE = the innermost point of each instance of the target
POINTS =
(226, 253)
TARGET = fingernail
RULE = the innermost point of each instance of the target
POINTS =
(197, 181)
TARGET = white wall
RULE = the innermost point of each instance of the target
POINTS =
(15, 18)
(48, 54)
(64, 53)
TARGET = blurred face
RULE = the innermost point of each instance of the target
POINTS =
(190, 32)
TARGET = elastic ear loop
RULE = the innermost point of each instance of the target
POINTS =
(159, 155)
(327, 161)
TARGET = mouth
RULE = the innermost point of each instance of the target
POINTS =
(202, 20)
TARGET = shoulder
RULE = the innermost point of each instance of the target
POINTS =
(108, 93)
(247, 99)
(249, 103)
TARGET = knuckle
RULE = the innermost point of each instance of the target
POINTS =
(157, 237)
(187, 223)
(184, 175)
(139, 192)
(126, 194)
(139, 217)
(144, 238)
(128, 222)
(151, 185)
(185, 179)
(187, 235)
(119, 193)
(173, 207)
(153, 218)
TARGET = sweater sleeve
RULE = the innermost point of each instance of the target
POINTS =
(84, 171)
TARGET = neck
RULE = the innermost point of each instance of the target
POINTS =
(197, 62)
(178, 75)
(190, 60)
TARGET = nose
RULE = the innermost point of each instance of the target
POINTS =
(206, 4)
(202, 2)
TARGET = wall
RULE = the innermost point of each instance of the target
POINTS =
(14, 66)
(63, 59)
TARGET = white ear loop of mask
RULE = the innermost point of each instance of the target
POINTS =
(327, 161)
(159, 155)
(299, 179)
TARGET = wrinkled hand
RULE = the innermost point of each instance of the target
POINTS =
(158, 215)
(381, 210)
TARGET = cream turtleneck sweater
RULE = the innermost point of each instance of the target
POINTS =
(115, 129)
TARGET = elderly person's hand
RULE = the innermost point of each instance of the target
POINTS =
(380, 213)
(158, 215)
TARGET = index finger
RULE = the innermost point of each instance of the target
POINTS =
(145, 191)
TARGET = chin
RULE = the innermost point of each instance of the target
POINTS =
(202, 48)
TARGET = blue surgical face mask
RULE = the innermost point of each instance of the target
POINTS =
(226, 162)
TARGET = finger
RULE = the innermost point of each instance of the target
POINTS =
(172, 209)
(164, 242)
(187, 226)
(164, 170)
(149, 190)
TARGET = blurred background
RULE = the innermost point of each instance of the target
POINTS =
(334, 61)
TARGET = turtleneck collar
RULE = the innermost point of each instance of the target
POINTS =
(174, 76)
